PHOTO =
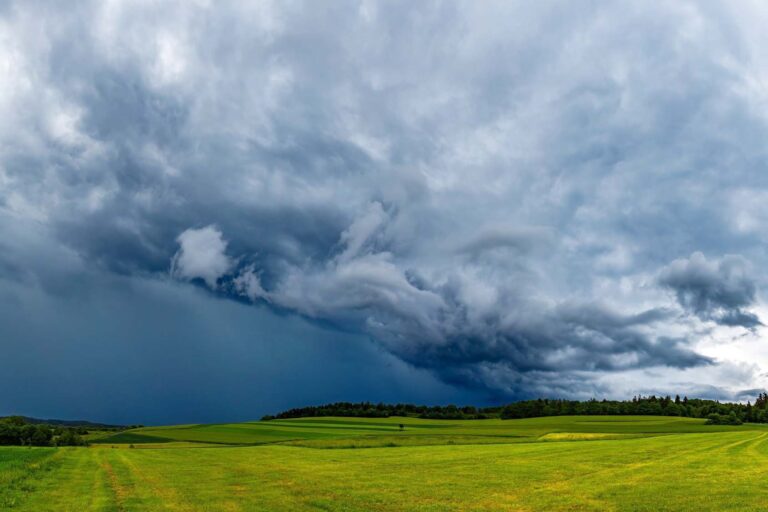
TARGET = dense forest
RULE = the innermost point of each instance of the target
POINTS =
(714, 411)
(371, 410)
(21, 431)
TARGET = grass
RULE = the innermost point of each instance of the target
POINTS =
(19, 468)
(320, 432)
(566, 463)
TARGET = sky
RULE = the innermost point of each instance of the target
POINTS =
(211, 211)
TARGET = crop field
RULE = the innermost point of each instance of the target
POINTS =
(350, 464)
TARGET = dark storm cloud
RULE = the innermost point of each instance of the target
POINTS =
(714, 290)
(149, 351)
(486, 190)
(435, 327)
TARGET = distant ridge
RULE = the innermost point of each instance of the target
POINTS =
(64, 423)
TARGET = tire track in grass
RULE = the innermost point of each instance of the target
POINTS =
(627, 473)
(759, 449)
(87, 487)
(99, 489)
(747, 445)
(119, 491)
(635, 478)
(72, 487)
(733, 446)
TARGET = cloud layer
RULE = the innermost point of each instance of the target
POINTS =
(502, 193)
(717, 291)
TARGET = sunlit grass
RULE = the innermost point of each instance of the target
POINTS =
(303, 429)
(576, 463)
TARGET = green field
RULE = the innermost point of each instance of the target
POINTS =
(558, 463)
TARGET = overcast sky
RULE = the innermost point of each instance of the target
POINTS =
(211, 211)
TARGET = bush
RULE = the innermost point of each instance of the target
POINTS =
(719, 419)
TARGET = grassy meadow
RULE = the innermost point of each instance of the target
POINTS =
(348, 464)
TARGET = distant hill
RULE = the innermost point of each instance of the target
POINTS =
(66, 423)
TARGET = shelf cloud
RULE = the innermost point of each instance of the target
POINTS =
(517, 199)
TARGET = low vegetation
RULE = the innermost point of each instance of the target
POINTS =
(14, 431)
(558, 463)
(23, 431)
(692, 455)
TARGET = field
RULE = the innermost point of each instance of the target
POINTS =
(350, 464)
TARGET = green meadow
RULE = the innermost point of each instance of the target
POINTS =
(349, 464)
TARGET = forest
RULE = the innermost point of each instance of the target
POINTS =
(17, 431)
(715, 412)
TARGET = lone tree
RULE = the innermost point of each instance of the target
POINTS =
(402, 427)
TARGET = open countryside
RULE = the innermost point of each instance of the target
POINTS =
(383, 256)
(332, 463)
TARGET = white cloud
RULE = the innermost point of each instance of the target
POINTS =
(202, 254)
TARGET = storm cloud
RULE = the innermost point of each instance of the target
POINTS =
(714, 290)
(496, 342)
(556, 199)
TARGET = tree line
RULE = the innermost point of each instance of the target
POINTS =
(380, 410)
(16, 431)
(716, 412)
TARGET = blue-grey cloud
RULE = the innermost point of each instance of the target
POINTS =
(485, 190)
(457, 333)
(714, 290)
